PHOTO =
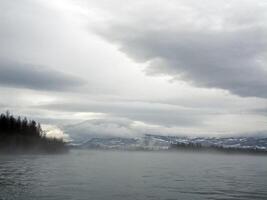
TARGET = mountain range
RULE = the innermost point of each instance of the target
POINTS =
(159, 142)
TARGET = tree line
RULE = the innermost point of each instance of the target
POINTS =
(198, 147)
(20, 134)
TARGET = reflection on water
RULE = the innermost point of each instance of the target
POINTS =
(132, 175)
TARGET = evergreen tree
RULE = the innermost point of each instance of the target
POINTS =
(25, 135)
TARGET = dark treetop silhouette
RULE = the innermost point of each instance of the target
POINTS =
(197, 147)
(22, 135)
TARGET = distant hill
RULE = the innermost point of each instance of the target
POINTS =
(197, 147)
(22, 135)
(159, 142)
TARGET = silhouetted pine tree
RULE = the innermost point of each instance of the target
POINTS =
(25, 135)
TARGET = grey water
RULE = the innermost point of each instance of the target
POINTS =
(118, 175)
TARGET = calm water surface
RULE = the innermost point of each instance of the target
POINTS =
(104, 175)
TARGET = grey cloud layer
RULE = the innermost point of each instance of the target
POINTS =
(214, 50)
(18, 75)
(151, 113)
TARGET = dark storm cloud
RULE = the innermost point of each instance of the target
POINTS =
(232, 57)
(18, 75)
(227, 60)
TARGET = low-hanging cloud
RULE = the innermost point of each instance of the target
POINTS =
(22, 75)
(115, 127)
(223, 49)
(152, 113)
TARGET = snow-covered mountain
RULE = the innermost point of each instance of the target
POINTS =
(158, 142)
(124, 134)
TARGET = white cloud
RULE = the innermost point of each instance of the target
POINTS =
(55, 132)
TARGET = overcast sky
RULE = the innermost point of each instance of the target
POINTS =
(121, 67)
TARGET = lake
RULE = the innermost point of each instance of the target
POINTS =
(118, 175)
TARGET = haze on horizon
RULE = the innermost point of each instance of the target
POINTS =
(177, 67)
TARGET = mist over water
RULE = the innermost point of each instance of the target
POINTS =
(105, 175)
